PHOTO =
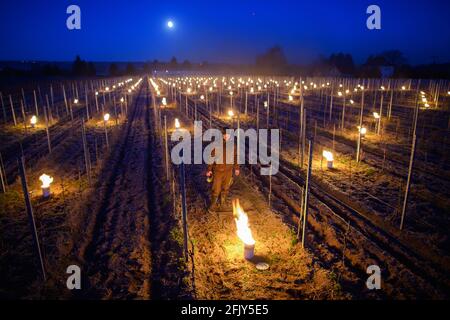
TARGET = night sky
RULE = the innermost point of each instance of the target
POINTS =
(222, 31)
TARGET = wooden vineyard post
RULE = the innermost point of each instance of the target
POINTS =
(12, 110)
(270, 185)
(65, 100)
(3, 180)
(381, 114)
(87, 103)
(301, 138)
(184, 207)
(126, 103)
(106, 133)
(334, 137)
(30, 214)
(166, 148)
(49, 143)
(304, 134)
(358, 146)
(306, 195)
(52, 97)
(246, 101)
(268, 110)
(2, 169)
(23, 116)
(35, 103)
(331, 103)
(3, 107)
(96, 100)
(257, 116)
(210, 112)
(86, 151)
(49, 110)
(343, 114)
(24, 100)
(300, 218)
(411, 161)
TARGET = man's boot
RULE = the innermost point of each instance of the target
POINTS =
(212, 204)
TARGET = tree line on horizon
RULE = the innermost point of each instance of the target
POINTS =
(271, 62)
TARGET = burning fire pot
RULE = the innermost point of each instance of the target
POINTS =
(329, 157)
(243, 230)
(46, 181)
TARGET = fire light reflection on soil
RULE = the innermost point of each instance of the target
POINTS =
(221, 272)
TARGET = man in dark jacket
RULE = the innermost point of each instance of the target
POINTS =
(222, 174)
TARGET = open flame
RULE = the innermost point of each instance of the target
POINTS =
(46, 180)
(177, 123)
(241, 218)
(327, 155)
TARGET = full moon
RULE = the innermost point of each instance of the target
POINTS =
(170, 24)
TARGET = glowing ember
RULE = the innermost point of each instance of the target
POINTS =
(243, 231)
(46, 180)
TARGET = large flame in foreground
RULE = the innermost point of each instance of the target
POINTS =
(46, 180)
(241, 218)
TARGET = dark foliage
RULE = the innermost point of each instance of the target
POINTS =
(113, 70)
(272, 62)
(83, 68)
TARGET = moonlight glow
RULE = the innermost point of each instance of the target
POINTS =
(170, 24)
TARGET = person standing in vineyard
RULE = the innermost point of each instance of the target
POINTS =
(221, 172)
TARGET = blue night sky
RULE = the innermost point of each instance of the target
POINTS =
(222, 31)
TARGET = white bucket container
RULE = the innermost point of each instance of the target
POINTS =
(249, 251)
(46, 192)
(330, 164)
